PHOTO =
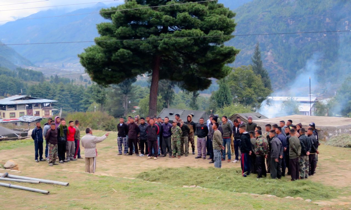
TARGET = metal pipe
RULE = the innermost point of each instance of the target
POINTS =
(20, 180)
(24, 188)
(40, 180)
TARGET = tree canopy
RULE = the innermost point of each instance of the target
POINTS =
(183, 42)
(257, 67)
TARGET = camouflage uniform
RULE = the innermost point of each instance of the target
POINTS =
(192, 128)
(53, 150)
(304, 167)
(176, 138)
(261, 150)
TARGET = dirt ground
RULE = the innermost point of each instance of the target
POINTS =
(334, 167)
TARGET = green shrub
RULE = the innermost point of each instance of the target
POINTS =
(95, 120)
(343, 140)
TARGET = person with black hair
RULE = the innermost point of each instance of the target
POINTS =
(217, 145)
(258, 128)
(237, 140)
(70, 147)
(227, 133)
(315, 133)
(305, 152)
(276, 155)
(152, 132)
(89, 143)
(294, 154)
(46, 128)
(261, 151)
(77, 140)
(289, 123)
(184, 144)
(37, 136)
(51, 138)
(192, 127)
(122, 143)
(253, 155)
(201, 132)
(143, 139)
(268, 128)
(246, 150)
(314, 151)
(62, 132)
(282, 126)
(251, 126)
(285, 146)
(286, 153)
(133, 133)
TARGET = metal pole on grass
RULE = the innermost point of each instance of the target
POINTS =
(40, 180)
(19, 180)
(24, 188)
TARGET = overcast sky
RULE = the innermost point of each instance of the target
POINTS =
(11, 10)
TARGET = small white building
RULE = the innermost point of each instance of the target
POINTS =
(305, 104)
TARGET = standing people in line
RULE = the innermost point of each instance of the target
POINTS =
(159, 136)
(251, 126)
(294, 154)
(314, 151)
(286, 153)
(315, 133)
(122, 129)
(209, 141)
(282, 126)
(70, 142)
(152, 132)
(269, 139)
(237, 141)
(201, 132)
(176, 138)
(276, 155)
(57, 121)
(166, 143)
(62, 132)
(133, 133)
(77, 140)
(37, 136)
(89, 143)
(143, 138)
(227, 133)
(51, 139)
(217, 145)
(261, 151)
(305, 152)
(185, 139)
(289, 123)
(246, 150)
(253, 155)
(284, 142)
(47, 126)
(192, 127)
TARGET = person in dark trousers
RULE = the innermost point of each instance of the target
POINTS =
(77, 140)
(294, 154)
(47, 126)
(122, 129)
(192, 127)
(253, 155)
(62, 132)
(227, 133)
(217, 145)
(209, 141)
(305, 152)
(159, 137)
(286, 153)
(251, 127)
(143, 139)
(152, 132)
(185, 139)
(246, 150)
(276, 155)
(166, 137)
(315, 133)
(51, 138)
(237, 141)
(314, 151)
(261, 151)
(201, 132)
(133, 133)
(269, 139)
(284, 142)
(37, 136)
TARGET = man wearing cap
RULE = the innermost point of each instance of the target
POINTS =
(305, 152)
(251, 127)
(122, 129)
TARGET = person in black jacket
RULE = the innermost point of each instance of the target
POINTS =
(246, 150)
(201, 132)
(281, 136)
(62, 131)
(152, 132)
(143, 140)
(305, 152)
(276, 155)
(122, 129)
(185, 139)
(37, 136)
(133, 132)
(269, 139)
(237, 141)
(51, 138)
(314, 151)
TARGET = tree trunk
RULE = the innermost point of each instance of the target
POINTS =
(154, 86)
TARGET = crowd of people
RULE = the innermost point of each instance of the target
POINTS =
(279, 149)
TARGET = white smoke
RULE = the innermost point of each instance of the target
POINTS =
(298, 88)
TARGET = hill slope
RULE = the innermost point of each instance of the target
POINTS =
(285, 55)
(10, 59)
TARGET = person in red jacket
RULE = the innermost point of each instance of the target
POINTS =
(70, 147)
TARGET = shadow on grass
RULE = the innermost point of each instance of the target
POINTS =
(231, 180)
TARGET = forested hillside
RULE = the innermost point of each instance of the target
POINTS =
(10, 59)
(285, 54)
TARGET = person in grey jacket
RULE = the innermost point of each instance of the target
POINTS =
(47, 126)
(89, 143)
(143, 137)
(276, 155)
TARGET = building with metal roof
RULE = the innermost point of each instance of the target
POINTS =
(168, 112)
(245, 116)
(19, 105)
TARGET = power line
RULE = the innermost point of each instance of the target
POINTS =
(23, 3)
(187, 37)
(57, 5)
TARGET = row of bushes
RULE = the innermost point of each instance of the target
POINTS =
(94, 120)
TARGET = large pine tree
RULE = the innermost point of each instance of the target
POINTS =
(178, 40)
(257, 67)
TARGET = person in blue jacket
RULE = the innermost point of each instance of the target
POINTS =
(37, 136)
